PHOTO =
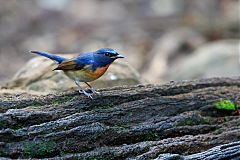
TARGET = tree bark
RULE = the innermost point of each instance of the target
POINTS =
(138, 122)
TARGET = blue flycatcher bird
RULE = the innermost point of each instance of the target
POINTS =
(86, 67)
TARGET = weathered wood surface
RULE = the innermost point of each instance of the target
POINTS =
(140, 122)
(230, 151)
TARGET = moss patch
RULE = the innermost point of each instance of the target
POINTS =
(151, 136)
(60, 100)
(3, 154)
(98, 158)
(191, 121)
(2, 124)
(37, 150)
(226, 105)
(106, 106)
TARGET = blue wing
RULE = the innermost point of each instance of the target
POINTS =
(77, 63)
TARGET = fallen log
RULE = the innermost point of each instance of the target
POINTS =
(138, 122)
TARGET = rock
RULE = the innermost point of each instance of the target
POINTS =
(37, 75)
(215, 59)
(169, 49)
(226, 151)
(131, 122)
(169, 156)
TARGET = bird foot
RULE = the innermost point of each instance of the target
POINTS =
(86, 93)
(93, 91)
(89, 95)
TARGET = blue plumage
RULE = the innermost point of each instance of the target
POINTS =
(56, 58)
(83, 60)
(106, 50)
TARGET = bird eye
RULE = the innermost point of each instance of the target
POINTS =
(107, 54)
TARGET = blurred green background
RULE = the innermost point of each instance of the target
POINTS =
(162, 39)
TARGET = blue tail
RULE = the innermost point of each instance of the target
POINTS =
(56, 58)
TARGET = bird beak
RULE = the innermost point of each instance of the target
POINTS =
(119, 56)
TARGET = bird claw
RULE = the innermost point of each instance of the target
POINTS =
(89, 95)
(93, 91)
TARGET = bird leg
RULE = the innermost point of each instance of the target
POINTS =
(81, 90)
(91, 88)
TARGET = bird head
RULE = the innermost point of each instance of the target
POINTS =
(106, 56)
(109, 53)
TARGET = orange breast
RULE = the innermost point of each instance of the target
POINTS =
(98, 72)
(86, 74)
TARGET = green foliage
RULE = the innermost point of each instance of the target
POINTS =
(3, 154)
(191, 121)
(103, 106)
(106, 106)
(2, 124)
(34, 149)
(58, 101)
(151, 136)
(226, 105)
(37, 104)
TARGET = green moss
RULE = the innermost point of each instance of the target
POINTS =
(2, 124)
(106, 106)
(194, 121)
(226, 105)
(218, 131)
(58, 101)
(17, 127)
(3, 154)
(130, 113)
(98, 158)
(67, 98)
(42, 149)
(151, 136)
(37, 104)
(188, 122)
